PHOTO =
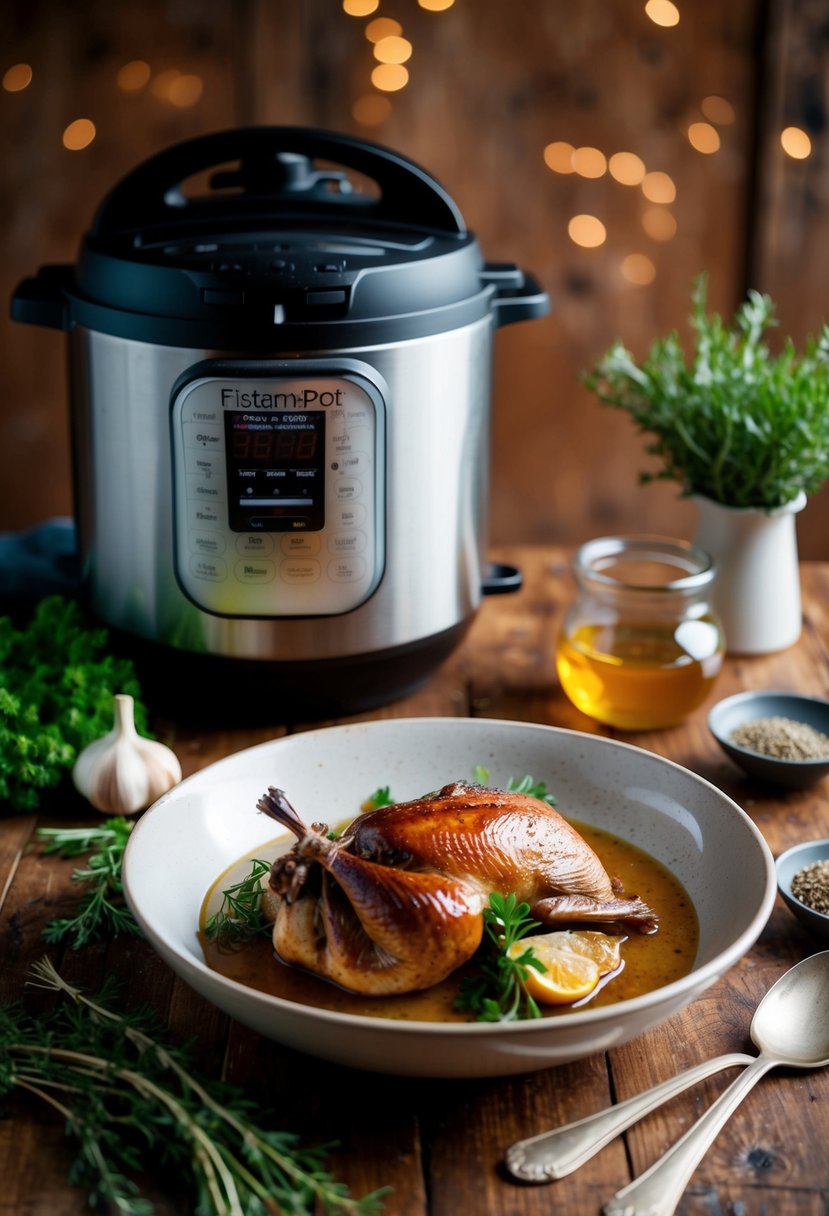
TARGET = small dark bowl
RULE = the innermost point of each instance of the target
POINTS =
(789, 864)
(744, 707)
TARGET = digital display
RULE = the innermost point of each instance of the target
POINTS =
(277, 444)
(275, 470)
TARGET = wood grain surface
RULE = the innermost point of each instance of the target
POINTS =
(440, 1144)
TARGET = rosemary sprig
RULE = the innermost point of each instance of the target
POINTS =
(239, 916)
(127, 1098)
(495, 992)
(102, 911)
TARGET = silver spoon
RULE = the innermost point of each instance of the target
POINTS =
(556, 1153)
(790, 1027)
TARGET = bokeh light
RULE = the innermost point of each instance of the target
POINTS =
(393, 49)
(717, 109)
(383, 27)
(558, 156)
(436, 6)
(626, 168)
(662, 12)
(658, 187)
(17, 78)
(371, 110)
(659, 224)
(703, 137)
(360, 8)
(587, 231)
(795, 143)
(185, 90)
(638, 269)
(389, 77)
(589, 162)
(79, 134)
(133, 76)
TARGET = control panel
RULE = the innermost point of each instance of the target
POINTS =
(278, 488)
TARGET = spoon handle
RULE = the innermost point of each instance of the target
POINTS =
(556, 1153)
(658, 1191)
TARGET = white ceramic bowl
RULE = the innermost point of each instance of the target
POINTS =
(185, 841)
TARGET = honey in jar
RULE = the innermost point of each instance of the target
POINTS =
(641, 645)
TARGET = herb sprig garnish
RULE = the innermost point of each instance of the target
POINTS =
(102, 911)
(128, 1098)
(239, 916)
(518, 785)
(495, 991)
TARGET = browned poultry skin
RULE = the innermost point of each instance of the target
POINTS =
(400, 901)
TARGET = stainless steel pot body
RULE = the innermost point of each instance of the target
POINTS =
(433, 482)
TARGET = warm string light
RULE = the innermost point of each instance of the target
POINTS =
(17, 78)
(662, 12)
(795, 143)
(79, 134)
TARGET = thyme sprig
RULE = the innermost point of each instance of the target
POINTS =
(519, 785)
(495, 991)
(127, 1097)
(239, 917)
(101, 912)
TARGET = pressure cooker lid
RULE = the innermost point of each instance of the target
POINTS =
(277, 235)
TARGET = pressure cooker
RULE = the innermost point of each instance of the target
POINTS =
(280, 348)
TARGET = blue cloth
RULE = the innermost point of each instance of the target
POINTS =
(41, 561)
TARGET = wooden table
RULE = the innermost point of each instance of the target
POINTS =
(439, 1144)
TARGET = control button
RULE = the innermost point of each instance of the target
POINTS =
(350, 516)
(206, 464)
(261, 543)
(210, 569)
(346, 488)
(203, 515)
(347, 542)
(354, 462)
(204, 435)
(352, 439)
(299, 570)
(346, 569)
(254, 571)
(207, 543)
(308, 542)
(204, 490)
(194, 410)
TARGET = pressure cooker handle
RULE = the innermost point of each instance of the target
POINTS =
(518, 296)
(501, 579)
(275, 168)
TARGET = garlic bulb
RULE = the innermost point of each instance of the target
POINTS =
(123, 772)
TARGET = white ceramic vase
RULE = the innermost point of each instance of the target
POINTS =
(757, 590)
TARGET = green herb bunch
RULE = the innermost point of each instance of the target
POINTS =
(57, 682)
(735, 423)
(127, 1098)
(495, 990)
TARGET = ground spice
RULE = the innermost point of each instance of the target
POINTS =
(811, 885)
(782, 738)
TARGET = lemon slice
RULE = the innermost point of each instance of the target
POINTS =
(575, 962)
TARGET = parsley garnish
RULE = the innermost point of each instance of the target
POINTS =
(495, 991)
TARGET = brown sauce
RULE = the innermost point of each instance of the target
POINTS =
(649, 961)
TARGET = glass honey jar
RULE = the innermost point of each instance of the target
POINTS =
(641, 646)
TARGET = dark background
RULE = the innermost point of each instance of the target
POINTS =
(491, 84)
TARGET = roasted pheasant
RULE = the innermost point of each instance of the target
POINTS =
(396, 904)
